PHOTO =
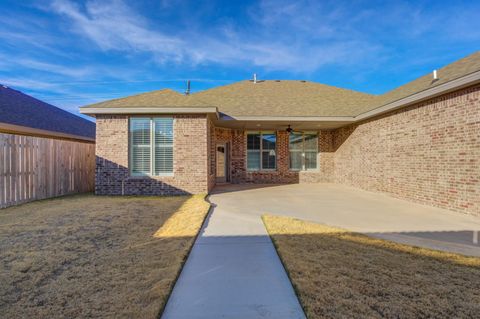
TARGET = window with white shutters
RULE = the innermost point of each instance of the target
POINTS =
(151, 146)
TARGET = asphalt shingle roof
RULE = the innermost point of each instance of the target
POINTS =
(446, 74)
(160, 98)
(292, 98)
(284, 98)
(20, 109)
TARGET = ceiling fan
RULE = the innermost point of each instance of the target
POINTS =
(291, 130)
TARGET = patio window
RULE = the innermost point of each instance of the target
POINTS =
(261, 151)
(303, 151)
(151, 146)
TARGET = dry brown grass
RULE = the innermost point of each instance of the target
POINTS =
(88, 256)
(340, 274)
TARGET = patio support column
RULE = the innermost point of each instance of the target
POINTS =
(282, 152)
(239, 159)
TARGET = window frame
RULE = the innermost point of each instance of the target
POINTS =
(260, 151)
(303, 151)
(152, 147)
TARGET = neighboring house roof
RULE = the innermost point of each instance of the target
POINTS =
(19, 109)
(287, 98)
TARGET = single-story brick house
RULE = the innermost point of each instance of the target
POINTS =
(420, 141)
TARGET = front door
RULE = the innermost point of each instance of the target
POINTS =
(222, 163)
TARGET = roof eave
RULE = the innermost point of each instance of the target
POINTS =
(148, 110)
(450, 86)
(30, 131)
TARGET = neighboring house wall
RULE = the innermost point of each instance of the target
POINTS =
(190, 159)
(428, 153)
(33, 168)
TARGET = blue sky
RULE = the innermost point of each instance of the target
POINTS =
(71, 53)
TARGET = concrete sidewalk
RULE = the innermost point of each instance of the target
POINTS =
(233, 271)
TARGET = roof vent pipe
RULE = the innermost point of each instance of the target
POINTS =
(435, 76)
(187, 91)
(254, 77)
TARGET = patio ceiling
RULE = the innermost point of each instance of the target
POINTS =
(280, 123)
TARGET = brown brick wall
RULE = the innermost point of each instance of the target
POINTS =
(238, 168)
(428, 153)
(190, 159)
(211, 155)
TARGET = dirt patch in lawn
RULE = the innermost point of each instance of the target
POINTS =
(340, 274)
(91, 256)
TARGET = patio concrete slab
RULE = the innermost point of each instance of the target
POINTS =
(372, 213)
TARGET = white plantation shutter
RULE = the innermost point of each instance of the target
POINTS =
(163, 158)
(151, 146)
(140, 145)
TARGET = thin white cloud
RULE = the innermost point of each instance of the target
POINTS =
(73, 72)
(56, 93)
(28, 83)
(115, 26)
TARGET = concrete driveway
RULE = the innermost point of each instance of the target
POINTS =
(234, 271)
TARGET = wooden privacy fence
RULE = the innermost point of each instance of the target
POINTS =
(34, 168)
